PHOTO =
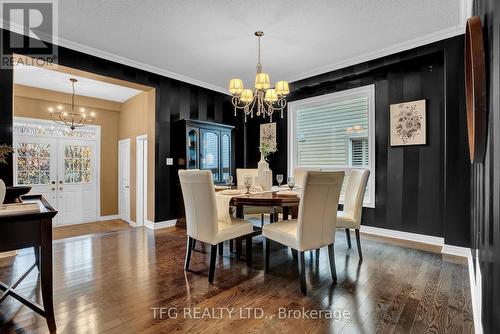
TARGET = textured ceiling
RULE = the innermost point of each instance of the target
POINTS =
(212, 41)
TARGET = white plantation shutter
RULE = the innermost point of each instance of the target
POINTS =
(323, 131)
(359, 152)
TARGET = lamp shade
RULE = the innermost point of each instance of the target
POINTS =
(271, 96)
(235, 86)
(262, 81)
(282, 88)
(246, 96)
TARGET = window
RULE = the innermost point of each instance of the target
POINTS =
(335, 132)
(77, 164)
(33, 164)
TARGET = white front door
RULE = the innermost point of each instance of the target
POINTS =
(77, 185)
(62, 169)
(124, 180)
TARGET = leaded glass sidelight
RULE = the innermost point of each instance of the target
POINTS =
(77, 164)
(33, 164)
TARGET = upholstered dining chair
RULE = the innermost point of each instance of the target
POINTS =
(350, 217)
(202, 220)
(313, 228)
(252, 210)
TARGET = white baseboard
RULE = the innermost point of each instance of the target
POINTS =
(422, 238)
(110, 217)
(159, 225)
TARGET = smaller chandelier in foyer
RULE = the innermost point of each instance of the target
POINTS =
(265, 100)
(72, 118)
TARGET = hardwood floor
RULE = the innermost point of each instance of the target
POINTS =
(111, 283)
(78, 230)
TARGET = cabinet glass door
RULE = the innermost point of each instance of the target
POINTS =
(209, 152)
(192, 148)
(226, 155)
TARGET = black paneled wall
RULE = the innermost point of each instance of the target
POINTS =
(174, 100)
(419, 189)
(486, 176)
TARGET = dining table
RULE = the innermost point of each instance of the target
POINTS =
(278, 198)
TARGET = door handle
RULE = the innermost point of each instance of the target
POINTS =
(60, 188)
(53, 182)
(126, 187)
(53, 188)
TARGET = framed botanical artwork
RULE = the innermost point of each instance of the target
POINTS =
(408, 123)
(268, 135)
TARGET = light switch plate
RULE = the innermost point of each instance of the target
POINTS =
(170, 161)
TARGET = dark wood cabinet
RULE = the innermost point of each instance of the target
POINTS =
(202, 145)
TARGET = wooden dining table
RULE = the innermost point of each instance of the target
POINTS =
(288, 204)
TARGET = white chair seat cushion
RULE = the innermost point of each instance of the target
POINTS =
(257, 209)
(345, 221)
(284, 232)
(237, 228)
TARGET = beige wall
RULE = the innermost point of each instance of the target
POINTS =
(34, 102)
(137, 117)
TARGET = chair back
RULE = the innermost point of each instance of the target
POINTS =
(355, 193)
(242, 172)
(318, 209)
(200, 203)
(299, 174)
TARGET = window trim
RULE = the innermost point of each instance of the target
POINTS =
(293, 107)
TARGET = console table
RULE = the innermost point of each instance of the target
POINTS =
(33, 229)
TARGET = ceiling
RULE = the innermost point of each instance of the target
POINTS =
(59, 81)
(209, 42)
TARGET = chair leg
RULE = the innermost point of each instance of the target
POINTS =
(248, 244)
(317, 253)
(194, 244)
(266, 254)
(261, 220)
(189, 248)
(358, 241)
(213, 258)
(331, 255)
(302, 274)
(231, 246)
(221, 248)
(348, 236)
(36, 249)
(295, 256)
(238, 248)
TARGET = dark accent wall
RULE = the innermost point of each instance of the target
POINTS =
(419, 189)
(485, 201)
(174, 100)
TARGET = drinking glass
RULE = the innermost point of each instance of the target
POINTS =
(229, 181)
(291, 182)
(248, 183)
(279, 178)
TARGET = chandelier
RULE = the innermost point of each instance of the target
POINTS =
(265, 100)
(73, 118)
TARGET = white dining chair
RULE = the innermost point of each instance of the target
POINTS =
(350, 217)
(202, 220)
(252, 210)
(313, 228)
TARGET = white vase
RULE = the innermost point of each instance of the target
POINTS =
(2, 191)
(265, 174)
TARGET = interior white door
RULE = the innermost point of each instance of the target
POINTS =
(35, 164)
(124, 179)
(77, 182)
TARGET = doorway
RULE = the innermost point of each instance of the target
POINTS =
(61, 166)
(124, 180)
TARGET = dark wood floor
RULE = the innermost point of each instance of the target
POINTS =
(109, 283)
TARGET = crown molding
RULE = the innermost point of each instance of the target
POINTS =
(420, 41)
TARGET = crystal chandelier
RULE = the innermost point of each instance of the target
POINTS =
(264, 99)
(74, 119)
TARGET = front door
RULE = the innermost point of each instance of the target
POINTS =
(61, 166)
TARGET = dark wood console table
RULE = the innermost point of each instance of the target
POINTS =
(23, 230)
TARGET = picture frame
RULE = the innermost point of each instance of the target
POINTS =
(408, 123)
